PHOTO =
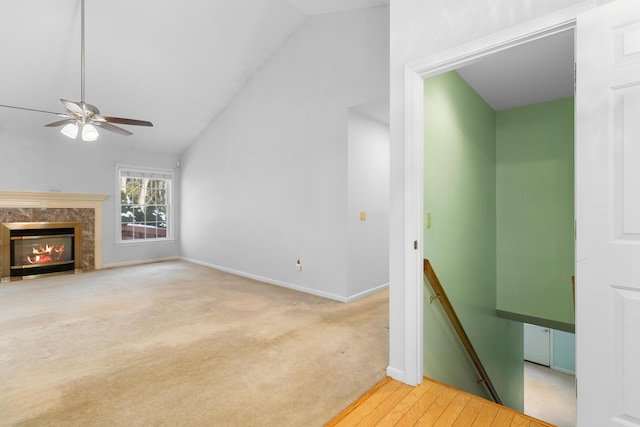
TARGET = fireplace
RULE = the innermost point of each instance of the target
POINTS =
(32, 249)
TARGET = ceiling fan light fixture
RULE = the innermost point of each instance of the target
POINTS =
(78, 115)
(89, 132)
(70, 130)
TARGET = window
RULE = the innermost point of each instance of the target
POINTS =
(145, 204)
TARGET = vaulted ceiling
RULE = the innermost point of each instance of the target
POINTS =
(176, 64)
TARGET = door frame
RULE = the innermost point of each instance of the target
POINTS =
(414, 74)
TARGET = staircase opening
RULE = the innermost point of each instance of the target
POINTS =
(466, 222)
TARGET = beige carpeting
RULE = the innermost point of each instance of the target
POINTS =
(175, 343)
(549, 395)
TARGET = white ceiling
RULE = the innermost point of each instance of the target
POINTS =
(527, 74)
(176, 64)
(317, 7)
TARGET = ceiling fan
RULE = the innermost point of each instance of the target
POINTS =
(80, 117)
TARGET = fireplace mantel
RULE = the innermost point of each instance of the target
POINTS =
(45, 200)
(20, 199)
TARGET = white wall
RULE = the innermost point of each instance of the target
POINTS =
(368, 192)
(422, 29)
(266, 183)
(48, 161)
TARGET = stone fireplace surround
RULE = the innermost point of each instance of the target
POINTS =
(59, 207)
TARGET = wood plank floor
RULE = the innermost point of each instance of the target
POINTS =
(392, 403)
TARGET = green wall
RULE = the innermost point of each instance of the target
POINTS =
(460, 193)
(535, 258)
(564, 351)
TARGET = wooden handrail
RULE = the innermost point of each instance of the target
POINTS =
(455, 322)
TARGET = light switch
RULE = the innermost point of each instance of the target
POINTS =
(363, 216)
(428, 220)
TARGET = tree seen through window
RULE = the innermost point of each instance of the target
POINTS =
(144, 206)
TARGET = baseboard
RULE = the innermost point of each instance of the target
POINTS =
(140, 262)
(270, 281)
(396, 374)
(367, 292)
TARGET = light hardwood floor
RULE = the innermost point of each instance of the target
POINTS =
(392, 403)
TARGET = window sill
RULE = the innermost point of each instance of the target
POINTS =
(140, 242)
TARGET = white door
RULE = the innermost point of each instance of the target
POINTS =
(608, 215)
(536, 344)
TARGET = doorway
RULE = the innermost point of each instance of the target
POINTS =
(607, 392)
(537, 344)
(466, 200)
(549, 375)
(549, 395)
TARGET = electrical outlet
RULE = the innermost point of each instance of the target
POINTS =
(298, 265)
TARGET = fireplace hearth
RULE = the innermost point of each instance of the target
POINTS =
(32, 249)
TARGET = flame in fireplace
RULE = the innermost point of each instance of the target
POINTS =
(45, 254)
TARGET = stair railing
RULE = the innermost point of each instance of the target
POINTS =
(455, 322)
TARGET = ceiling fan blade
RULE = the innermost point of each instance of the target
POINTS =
(90, 110)
(126, 121)
(81, 113)
(60, 123)
(33, 109)
(112, 128)
(73, 107)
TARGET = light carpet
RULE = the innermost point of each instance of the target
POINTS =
(549, 395)
(175, 343)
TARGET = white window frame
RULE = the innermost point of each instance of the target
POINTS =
(143, 172)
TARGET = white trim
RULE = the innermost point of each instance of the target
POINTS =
(141, 242)
(413, 226)
(368, 292)
(479, 49)
(415, 73)
(315, 292)
(140, 262)
(170, 204)
(144, 169)
(395, 373)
